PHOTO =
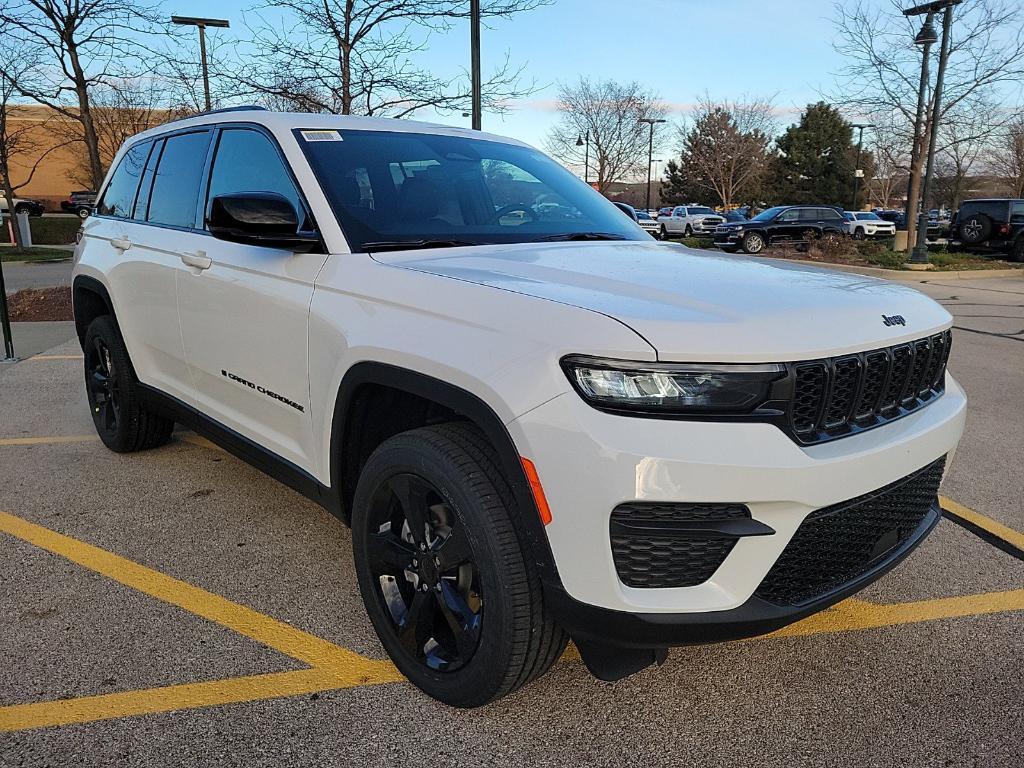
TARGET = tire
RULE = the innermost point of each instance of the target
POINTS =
(975, 229)
(753, 243)
(123, 423)
(858, 233)
(22, 209)
(688, 232)
(663, 233)
(1017, 249)
(83, 213)
(452, 471)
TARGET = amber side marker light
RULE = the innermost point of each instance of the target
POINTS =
(537, 489)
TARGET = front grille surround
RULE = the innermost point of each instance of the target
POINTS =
(839, 396)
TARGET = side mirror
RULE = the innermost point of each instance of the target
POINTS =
(259, 218)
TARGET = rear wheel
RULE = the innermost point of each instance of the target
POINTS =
(122, 421)
(441, 570)
(858, 233)
(975, 229)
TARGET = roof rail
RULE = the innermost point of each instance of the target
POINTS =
(241, 108)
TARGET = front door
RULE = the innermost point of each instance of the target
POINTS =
(244, 310)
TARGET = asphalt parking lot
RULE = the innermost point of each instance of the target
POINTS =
(177, 607)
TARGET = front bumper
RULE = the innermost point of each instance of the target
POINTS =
(589, 462)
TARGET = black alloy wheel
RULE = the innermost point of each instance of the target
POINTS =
(103, 386)
(420, 557)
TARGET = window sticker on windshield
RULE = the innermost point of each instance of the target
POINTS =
(321, 135)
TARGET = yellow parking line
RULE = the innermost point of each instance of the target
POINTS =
(52, 357)
(154, 700)
(52, 439)
(855, 614)
(984, 522)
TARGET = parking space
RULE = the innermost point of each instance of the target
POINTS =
(177, 607)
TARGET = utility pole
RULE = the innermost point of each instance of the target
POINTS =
(474, 41)
(651, 121)
(584, 141)
(196, 21)
(857, 172)
(920, 252)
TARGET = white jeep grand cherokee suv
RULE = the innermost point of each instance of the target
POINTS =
(539, 423)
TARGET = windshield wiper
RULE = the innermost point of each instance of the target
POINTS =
(580, 236)
(410, 245)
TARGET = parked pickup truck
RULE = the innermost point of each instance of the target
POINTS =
(688, 220)
(538, 422)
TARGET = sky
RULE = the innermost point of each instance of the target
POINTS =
(679, 49)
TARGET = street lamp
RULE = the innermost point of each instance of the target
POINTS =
(196, 21)
(651, 121)
(857, 172)
(927, 36)
(581, 141)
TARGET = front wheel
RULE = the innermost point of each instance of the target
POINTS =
(663, 233)
(454, 601)
(858, 233)
(753, 243)
(689, 231)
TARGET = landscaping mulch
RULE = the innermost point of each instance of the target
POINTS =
(34, 305)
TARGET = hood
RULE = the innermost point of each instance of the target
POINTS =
(699, 306)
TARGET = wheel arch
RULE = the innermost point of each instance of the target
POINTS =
(89, 300)
(354, 414)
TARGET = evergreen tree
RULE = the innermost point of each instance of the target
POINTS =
(815, 159)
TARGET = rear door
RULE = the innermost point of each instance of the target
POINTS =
(244, 312)
(786, 226)
(140, 270)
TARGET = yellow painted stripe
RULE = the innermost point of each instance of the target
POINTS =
(51, 439)
(154, 700)
(984, 522)
(344, 666)
(854, 614)
(52, 357)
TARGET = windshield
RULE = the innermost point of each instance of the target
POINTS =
(388, 188)
(769, 214)
(699, 211)
(643, 215)
(869, 216)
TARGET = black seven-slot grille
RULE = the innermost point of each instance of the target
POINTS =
(842, 395)
(836, 545)
(658, 545)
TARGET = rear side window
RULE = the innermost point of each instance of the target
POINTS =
(829, 214)
(119, 196)
(247, 161)
(809, 214)
(178, 175)
(1017, 212)
(994, 209)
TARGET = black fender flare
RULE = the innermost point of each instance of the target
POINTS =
(463, 403)
(90, 285)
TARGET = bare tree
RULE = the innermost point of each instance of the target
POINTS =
(80, 44)
(358, 56)
(609, 113)
(890, 145)
(883, 70)
(962, 141)
(21, 147)
(725, 147)
(1007, 157)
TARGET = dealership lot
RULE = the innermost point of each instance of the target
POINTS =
(177, 607)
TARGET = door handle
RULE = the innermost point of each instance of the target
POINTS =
(121, 243)
(199, 260)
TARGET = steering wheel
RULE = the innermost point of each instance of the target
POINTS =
(512, 208)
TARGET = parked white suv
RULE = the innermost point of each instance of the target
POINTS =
(862, 225)
(539, 423)
(688, 221)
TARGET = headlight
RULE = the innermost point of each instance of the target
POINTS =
(672, 388)
(738, 229)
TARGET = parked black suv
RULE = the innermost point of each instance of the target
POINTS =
(79, 203)
(781, 224)
(996, 224)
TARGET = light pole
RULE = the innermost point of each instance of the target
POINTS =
(474, 44)
(651, 121)
(5, 320)
(196, 21)
(857, 172)
(581, 141)
(920, 252)
(924, 38)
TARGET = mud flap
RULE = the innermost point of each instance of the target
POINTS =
(611, 663)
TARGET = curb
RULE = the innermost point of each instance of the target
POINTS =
(910, 276)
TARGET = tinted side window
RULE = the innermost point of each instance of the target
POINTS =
(790, 215)
(1017, 212)
(178, 175)
(829, 214)
(809, 214)
(247, 161)
(119, 196)
(146, 187)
